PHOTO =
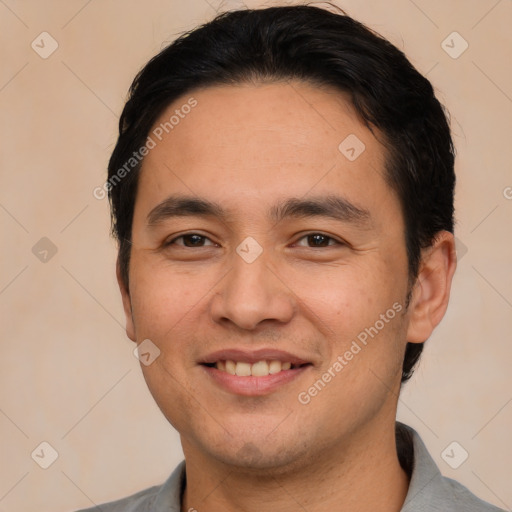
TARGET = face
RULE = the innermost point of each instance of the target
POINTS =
(263, 248)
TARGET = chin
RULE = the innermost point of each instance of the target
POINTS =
(253, 454)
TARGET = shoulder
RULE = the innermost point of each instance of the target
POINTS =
(453, 496)
(429, 490)
(159, 498)
(141, 501)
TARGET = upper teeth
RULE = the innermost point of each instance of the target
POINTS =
(259, 369)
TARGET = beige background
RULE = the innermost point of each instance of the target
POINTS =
(68, 375)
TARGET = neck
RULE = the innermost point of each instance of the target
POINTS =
(362, 476)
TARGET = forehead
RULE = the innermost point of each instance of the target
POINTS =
(262, 139)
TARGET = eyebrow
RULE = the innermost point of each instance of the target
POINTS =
(330, 206)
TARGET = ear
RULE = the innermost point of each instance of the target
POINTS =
(431, 291)
(127, 306)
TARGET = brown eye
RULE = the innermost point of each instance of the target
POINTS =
(318, 240)
(191, 240)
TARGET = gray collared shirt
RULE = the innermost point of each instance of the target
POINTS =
(429, 491)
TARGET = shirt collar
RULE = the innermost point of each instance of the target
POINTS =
(168, 498)
(423, 471)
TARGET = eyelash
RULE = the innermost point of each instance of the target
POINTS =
(330, 238)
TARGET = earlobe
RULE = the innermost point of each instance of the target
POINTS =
(127, 306)
(431, 291)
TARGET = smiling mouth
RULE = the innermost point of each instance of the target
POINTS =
(258, 369)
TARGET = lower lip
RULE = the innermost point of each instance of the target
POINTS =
(254, 386)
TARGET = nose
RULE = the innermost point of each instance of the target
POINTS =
(252, 294)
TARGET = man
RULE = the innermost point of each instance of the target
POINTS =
(282, 194)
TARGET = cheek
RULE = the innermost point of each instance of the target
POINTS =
(344, 298)
(162, 297)
(360, 313)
